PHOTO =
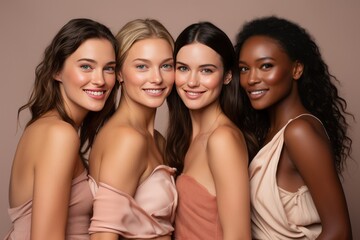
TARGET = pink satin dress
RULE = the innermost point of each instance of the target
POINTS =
(78, 223)
(149, 214)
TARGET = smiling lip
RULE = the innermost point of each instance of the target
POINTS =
(256, 94)
(96, 94)
(154, 91)
(193, 94)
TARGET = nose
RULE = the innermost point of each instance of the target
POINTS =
(253, 77)
(156, 77)
(98, 78)
(193, 81)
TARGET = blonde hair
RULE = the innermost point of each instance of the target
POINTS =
(140, 29)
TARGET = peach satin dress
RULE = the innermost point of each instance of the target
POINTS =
(275, 212)
(149, 214)
(80, 210)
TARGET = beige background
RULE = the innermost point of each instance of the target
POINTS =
(28, 26)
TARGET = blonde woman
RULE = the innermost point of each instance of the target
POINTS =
(135, 192)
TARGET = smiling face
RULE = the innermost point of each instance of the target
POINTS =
(267, 73)
(147, 74)
(87, 77)
(199, 76)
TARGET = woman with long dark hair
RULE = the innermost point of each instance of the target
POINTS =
(204, 140)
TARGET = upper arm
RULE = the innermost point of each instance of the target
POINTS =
(53, 173)
(310, 151)
(123, 160)
(228, 163)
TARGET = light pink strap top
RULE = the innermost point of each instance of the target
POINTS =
(149, 214)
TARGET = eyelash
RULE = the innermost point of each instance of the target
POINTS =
(207, 71)
(167, 66)
(110, 69)
(182, 68)
(86, 67)
(266, 66)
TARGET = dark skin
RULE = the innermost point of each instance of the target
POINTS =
(306, 157)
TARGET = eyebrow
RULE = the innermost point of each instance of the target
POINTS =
(93, 61)
(259, 59)
(147, 60)
(201, 66)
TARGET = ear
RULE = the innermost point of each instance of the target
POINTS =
(58, 76)
(298, 70)
(120, 77)
(228, 78)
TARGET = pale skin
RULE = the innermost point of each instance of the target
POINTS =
(217, 156)
(128, 148)
(306, 157)
(47, 157)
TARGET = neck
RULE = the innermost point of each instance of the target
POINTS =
(204, 120)
(137, 116)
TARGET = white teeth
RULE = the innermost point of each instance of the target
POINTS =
(257, 92)
(193, 93)
(95, 93)
(154, 91)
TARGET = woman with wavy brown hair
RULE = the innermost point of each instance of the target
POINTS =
(73, 94)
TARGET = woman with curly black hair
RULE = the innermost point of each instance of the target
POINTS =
(298, 120)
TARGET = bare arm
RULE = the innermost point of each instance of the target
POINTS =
(53, 175)
(228, 163)
(309, 149)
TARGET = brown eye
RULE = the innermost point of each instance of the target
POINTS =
(267, 66)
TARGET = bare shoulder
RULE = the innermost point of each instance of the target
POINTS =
(226, 143)
(120, 158)
(226, 134)
(304, 128)
(306, 142)
(52, 129)
(121, 145)
(124, 136)
(51, 144)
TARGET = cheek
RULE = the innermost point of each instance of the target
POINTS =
(213, 82)
(243, 81)
(71, 76)
(180, 78)
(110, 80)
(277, 77)
(133, 78)
(168, 77)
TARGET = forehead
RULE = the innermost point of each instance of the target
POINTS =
(150, 47)
(262, 46)
(198, 53)
(95, 48)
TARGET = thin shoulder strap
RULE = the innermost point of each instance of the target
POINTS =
(308, 114)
